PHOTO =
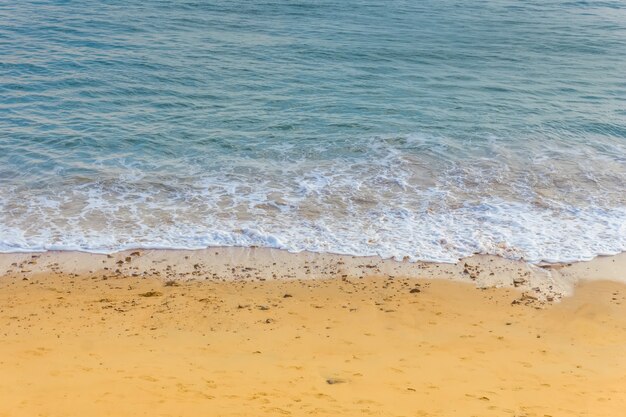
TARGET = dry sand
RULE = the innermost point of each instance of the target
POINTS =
(210, 333)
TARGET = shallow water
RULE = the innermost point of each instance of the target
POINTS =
(432, 129)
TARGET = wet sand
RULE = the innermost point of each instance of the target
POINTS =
(362, 338)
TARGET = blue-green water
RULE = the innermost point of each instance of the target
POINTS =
(430, 129)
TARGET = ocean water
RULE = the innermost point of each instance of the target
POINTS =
(430, 129)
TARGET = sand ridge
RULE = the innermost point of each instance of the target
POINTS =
(547, 282)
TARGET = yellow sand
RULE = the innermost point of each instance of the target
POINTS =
(85, 346)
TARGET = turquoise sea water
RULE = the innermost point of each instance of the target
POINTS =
(430, 129)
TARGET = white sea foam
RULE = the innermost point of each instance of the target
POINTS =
(511, 231)
(390, 202)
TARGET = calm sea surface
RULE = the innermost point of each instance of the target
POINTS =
(431, 129)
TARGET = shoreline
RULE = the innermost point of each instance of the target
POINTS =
(542, 282)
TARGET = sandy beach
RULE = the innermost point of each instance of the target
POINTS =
(119, 335)
(312, 208)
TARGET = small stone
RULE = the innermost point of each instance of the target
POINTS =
(151, 294)
(333, 381)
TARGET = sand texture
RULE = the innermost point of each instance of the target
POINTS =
(114, 344)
